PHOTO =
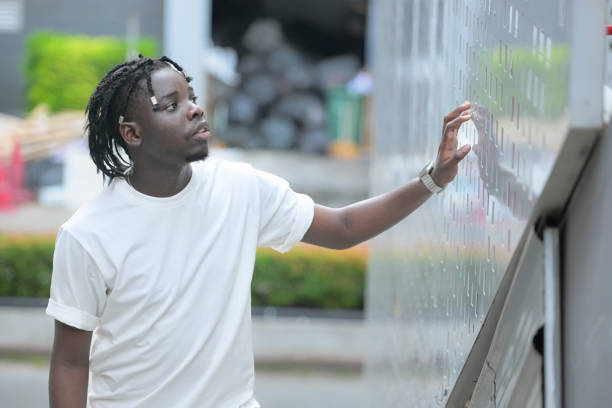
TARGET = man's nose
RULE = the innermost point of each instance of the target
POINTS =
(195, 111)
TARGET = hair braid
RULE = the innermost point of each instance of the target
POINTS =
(148, 68)
(177, 67)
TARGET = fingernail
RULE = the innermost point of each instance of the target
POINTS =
(466, 149)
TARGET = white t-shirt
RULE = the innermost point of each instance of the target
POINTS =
(164, 283)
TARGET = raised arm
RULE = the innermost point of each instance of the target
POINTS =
(69, 371)
(341, 228)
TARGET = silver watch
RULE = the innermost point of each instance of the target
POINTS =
(425, 177)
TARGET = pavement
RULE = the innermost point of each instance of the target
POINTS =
(300, 339)
(23, 384)
(300, 361)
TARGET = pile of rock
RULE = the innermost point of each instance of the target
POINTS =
(280, 101)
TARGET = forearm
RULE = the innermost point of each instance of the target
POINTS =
(368, 218)
(68, 385)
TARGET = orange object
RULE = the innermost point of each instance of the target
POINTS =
(344, 149)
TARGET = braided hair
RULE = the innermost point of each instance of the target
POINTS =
(109, 105)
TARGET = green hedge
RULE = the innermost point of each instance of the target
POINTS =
(306, 277)
(62, 70)
(25, 267)
(303, 277)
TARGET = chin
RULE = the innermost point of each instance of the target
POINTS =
(200, 154)
(197, 157)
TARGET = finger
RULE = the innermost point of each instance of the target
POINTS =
(456, 123)
(450, 132)
(465, 115)
(456, 112)
(461, 153)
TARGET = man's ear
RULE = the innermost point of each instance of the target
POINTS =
(130, 133)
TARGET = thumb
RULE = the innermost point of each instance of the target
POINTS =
(461, 153)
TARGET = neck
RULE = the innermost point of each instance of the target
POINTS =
(159, 182)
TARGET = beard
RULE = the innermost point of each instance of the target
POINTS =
(201, 155)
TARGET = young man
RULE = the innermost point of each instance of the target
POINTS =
(158, 267)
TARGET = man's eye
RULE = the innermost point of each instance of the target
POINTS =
(171, 107)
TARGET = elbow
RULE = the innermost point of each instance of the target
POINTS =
(348, 237)
(346, 241)
(342, 245)
(347, 244)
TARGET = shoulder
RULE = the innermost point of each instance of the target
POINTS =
(260, 180)
(239, 179)
(95, 214)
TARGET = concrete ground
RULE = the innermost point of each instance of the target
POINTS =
(300, 361)
(23, 384)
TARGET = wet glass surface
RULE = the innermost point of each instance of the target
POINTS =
(432, 277)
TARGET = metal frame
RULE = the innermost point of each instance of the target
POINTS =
(552, 311)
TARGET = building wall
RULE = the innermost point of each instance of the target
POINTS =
(587, 280)
(68, 16)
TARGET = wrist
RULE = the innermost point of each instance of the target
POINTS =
(435, 176)
(425, 176)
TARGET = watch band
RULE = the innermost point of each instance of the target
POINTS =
(426, 179)
(430, 184)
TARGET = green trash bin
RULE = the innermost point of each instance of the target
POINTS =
(344, 111)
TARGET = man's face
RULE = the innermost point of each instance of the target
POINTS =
(177, 132)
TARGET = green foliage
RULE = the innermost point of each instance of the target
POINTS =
(309, 278)
(554, 75)
(62, 70)
(303, 277)
(25, 267)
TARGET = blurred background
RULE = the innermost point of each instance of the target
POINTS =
(467, 301)
(286, 88)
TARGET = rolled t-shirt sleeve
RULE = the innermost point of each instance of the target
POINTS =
(78, 291)
(285, 215)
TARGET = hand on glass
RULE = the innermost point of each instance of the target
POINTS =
(448, 158)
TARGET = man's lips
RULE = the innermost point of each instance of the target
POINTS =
(202, 130)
